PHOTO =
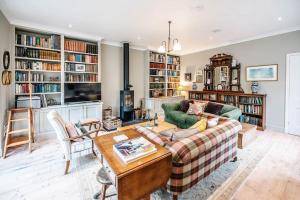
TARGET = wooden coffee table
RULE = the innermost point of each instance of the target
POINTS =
(138, 179)
(162, 126)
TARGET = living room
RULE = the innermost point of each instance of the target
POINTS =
(149, 99)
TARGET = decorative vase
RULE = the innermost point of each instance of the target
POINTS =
(254, 87)
(194, 86)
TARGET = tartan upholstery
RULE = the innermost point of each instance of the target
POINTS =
(197, 156)
(81, 148)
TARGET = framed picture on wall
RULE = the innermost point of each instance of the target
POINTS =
(199, 75)
(262, 73)
(188, 77)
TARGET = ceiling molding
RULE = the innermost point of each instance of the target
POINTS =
(244, 40)
(66, 32)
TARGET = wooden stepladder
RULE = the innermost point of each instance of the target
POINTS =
(23, 135)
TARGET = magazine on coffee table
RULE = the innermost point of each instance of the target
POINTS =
(134, 149)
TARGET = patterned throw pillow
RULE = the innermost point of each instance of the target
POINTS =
(196, 108)
(212, 122)
(200, 125)
(213, 108)
(184, 105)
(72, 131)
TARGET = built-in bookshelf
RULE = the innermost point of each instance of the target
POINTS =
(253, 106)
(45, 62)
(38, 65)
(164, 74)
(81, 61)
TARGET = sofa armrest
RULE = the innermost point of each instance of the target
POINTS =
(167, 107)
(187, 149)
(234, 114)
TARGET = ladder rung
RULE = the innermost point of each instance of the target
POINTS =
(18, 131)
(21, 119)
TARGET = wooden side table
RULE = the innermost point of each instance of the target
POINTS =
(246, 135)
(138, 179)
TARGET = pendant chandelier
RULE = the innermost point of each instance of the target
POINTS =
(166, 45)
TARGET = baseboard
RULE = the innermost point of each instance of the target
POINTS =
(275, 128)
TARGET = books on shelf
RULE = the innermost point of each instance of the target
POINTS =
(157, 72)
(173, 86)
(81, 58)
(37, 53)
(251, 120)
(37, 88)
(51, 42)
(251, 109)
(81, 78)
(134, 149)
(80, 46)
(157, 57)
(156, 79)
(157, 66)
(173, 73)
(156, 85)
(72, 67)
(34, 65)
(173, 67)
(173, 79)
(173, 60)
(251, 100)
(227, 99)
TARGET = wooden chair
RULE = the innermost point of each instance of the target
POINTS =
(71, 147)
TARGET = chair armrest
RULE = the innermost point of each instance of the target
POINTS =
(83, 135)
(167, 107)
(234, 114)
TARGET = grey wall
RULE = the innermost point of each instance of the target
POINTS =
(4, 96)
(270, 50)
(112, 75)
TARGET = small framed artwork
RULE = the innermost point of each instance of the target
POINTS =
(262, 73)
(80, 68)
(199, 75)
(188, 77)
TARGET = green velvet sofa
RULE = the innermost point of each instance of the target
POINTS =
(173, 114)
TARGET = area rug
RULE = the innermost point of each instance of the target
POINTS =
(39, 175)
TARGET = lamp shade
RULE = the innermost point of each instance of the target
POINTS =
(177, 46)
(162, 49)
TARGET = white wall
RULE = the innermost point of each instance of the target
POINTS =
(270, 50)
(112, 75)
(4, 90)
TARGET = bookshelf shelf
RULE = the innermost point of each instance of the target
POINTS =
(74, 72)
(81, 63)
(21, 94)
(47, 71)
(83, 53)
(37, 59)
(34, 47)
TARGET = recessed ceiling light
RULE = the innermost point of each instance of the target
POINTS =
(216, 30)
(279, 18)
(70, 25)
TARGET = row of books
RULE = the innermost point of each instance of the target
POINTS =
(35, 77)
(37, 53)
(81, 78)
(173, 73)
(81, 58)
(52, 42)
(251, 120)
(37, 88)
(173, 67)
(173, 79)
(156, 85)
(157, 65)
(80, 46)
(251, 100)
(156, 72)
(85, 68)
(20, 64)
(171, 93)
(174, 60)
(156, 57)
(252, 109)
(227, 99)
(173, 85)
(156, 79)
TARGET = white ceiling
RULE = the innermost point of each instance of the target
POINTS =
(144, 22)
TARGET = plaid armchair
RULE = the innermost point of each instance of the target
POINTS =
(197, 156)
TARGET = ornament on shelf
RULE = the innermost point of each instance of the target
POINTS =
(254, 87)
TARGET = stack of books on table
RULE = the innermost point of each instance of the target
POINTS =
(134, 149)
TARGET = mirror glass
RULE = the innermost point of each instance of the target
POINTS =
(221, 77)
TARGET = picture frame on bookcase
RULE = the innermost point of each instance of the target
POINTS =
(80, 68)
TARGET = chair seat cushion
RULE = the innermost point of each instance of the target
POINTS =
(102, 177)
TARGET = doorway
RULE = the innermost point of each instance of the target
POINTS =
(292, 103)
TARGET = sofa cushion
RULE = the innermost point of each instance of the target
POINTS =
(196, 108)
(184, 105)
(200, 125)
(213, 108)
(72, 131)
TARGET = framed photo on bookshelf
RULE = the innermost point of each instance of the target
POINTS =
(262, 73)
(80, 68)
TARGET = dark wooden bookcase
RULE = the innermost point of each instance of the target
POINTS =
(253, 106)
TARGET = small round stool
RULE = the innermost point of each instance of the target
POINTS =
(103, 178)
